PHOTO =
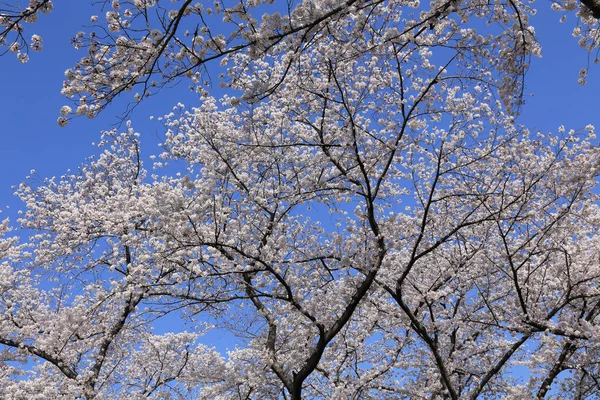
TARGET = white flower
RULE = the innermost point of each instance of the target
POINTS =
(65, 110)
(82, 109)
(36, 42)
(47, 7)
(197, 41)
(62, 122)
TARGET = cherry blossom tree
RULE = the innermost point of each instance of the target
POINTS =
(366, 217)
(142, 45)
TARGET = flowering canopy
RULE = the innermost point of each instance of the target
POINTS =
(365, 217)
(143, 45)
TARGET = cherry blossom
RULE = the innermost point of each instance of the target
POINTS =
(360, 214)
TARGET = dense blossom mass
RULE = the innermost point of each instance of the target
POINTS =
(360, 213)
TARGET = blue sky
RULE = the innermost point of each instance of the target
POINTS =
(30, 97)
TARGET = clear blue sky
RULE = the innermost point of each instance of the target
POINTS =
(30, 97)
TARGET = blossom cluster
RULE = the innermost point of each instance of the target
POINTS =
(359, 215)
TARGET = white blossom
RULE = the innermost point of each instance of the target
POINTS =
(65, 110)
(360, 213)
